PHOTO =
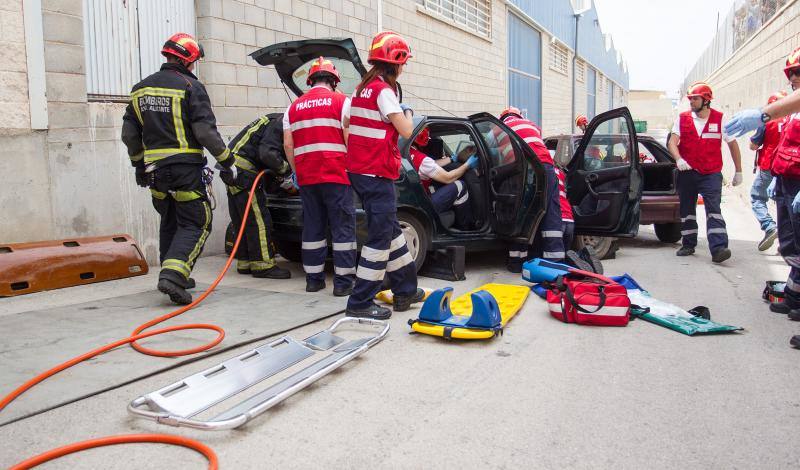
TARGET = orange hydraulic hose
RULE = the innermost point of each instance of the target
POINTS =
(132, 340)
(123, 439)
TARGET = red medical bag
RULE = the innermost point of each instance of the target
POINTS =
(589, 299)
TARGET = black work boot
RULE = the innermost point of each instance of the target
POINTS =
(574, 259)
(768, 240)
(779, 307)
(343, 291)
(514, 266)
(190, 284)
(685, 251)
(794, 314)
(588, 254)
(314, 286)
(177, 294)
(376, 312)
(720, 255)
(275, 272)
(795, 341)
(401, 303)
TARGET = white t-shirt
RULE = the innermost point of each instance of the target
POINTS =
(700, 124)
(345, 111)
(429, 168)
(387, 103)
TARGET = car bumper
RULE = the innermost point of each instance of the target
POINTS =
(660, 210)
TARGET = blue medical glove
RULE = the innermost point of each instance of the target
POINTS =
(796, 204)
(771, 188)
(744, 122)
(472, 161)
(406, 107)
(454, 158)
(294, 181)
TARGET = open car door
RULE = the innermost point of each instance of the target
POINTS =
(604, 179)
(516, 180)
(292, 60)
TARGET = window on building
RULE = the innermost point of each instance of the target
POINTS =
(601, 84)
(580, 71)
(591, 92)
(124, 39)
(559, 58)
(473, 15)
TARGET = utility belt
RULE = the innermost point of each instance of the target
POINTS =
(159, 179)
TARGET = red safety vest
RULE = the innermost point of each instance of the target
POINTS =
(786, 160)
(316, 125)
(372, 143)
(772, 136)
(532, 136)
(566, 207)
(416, 159)
(702, 152)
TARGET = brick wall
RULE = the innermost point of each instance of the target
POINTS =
(14, 109)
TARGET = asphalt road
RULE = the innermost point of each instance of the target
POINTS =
(544, 395)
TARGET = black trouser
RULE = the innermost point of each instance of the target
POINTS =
(255, 251)
(179, 196)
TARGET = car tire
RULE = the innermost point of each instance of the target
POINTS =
(605, 247)
(668, 233)
(292, 251)
(417, 237)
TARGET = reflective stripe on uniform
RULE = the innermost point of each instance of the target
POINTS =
(688, 217)
(714, 216)
(374, 256)
(185, 196)
(262, 233)
(366, 113)
(400, 262)
(154, 155)
(713, 231)
(552, 234)
(246, 137)
(369, 274)
(343, 271)
(203, 236)
(398, 242)
(367, 132)
(158, 194)
(709, 135)
(519, 127)
(321, 147)
(261, 265)
(344, 246)
(792, 286)
(244, 164)
(314, 269)
(314, 245)
(177, 265)
(154, 91)
(536, 140)
(138, 157)
(553, 254)
(317, 122)
(517, 254)
(689, 232)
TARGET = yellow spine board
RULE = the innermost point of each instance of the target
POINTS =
(510, 299)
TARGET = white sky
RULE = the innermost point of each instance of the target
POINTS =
(660, 39)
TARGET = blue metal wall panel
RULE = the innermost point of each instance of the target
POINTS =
(524, 68)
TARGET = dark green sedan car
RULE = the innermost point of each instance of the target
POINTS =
(506, 189)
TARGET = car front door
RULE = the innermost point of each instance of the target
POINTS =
(604, 178)
(516, 180)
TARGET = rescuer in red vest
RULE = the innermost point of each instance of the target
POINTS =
(373, 161)
(549, 242)
(696, 145)
(449, 192)
(315, 138)
(764, 143)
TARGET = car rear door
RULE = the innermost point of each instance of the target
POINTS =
(604, 178)
(516, 180)
(292, 61)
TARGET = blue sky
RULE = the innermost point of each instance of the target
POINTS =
(660, 39)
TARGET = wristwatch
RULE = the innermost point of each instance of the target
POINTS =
(765, 118)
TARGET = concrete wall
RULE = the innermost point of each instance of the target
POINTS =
(14, 110)
(754, 72)
(653, 107)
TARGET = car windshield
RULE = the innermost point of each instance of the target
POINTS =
(347, 72)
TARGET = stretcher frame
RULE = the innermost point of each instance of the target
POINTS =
(178, 403)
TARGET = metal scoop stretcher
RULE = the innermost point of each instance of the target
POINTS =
(178, 403)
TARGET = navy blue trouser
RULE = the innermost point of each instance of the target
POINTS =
(789, 236)
(549, 241)
(329, 205)
(569, 234)
(690, 184)
(385, 251)
(454, 196)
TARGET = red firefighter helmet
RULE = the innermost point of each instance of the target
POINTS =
(701, 89)
(792, 62)
(581, 120)
(776, 96)
(389, 47)
(423, 137)
(184, 47)
(510, 111)
(320, 66)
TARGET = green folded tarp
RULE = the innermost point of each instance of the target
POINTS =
(672, 316)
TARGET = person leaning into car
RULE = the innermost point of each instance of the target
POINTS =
(696, 145)
(373, 160)
(314, 139)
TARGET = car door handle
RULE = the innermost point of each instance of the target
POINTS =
(590, 179)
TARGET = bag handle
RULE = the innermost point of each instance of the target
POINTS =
(602, 295)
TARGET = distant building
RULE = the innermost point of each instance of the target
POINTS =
(653, 107)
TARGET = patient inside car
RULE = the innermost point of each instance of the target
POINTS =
(446, 189)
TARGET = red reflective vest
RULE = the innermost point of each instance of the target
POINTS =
(532, 136)
(566, 207)
(702, 152)
(315, 121)
(772, 137)
(372, 143)
(417, 158)
(786, 160)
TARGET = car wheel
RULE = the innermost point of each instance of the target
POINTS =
(416, 235)
(292, 251)
(605, 247)
(668, 233)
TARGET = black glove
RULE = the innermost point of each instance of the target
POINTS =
(142, 177)
(228, 174)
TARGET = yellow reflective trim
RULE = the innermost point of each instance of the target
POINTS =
(186, 196)
(158, 91)
(262, 234)
(261, 265)
(383, 40)
(223, 156)
(233, 190)
(203, 236)
(177, 121)
(137, 157)
(244, 164)
(135, 106)
(177, 265)
(246, 137)
(242, 264)
(155, 155)
(158, 194)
